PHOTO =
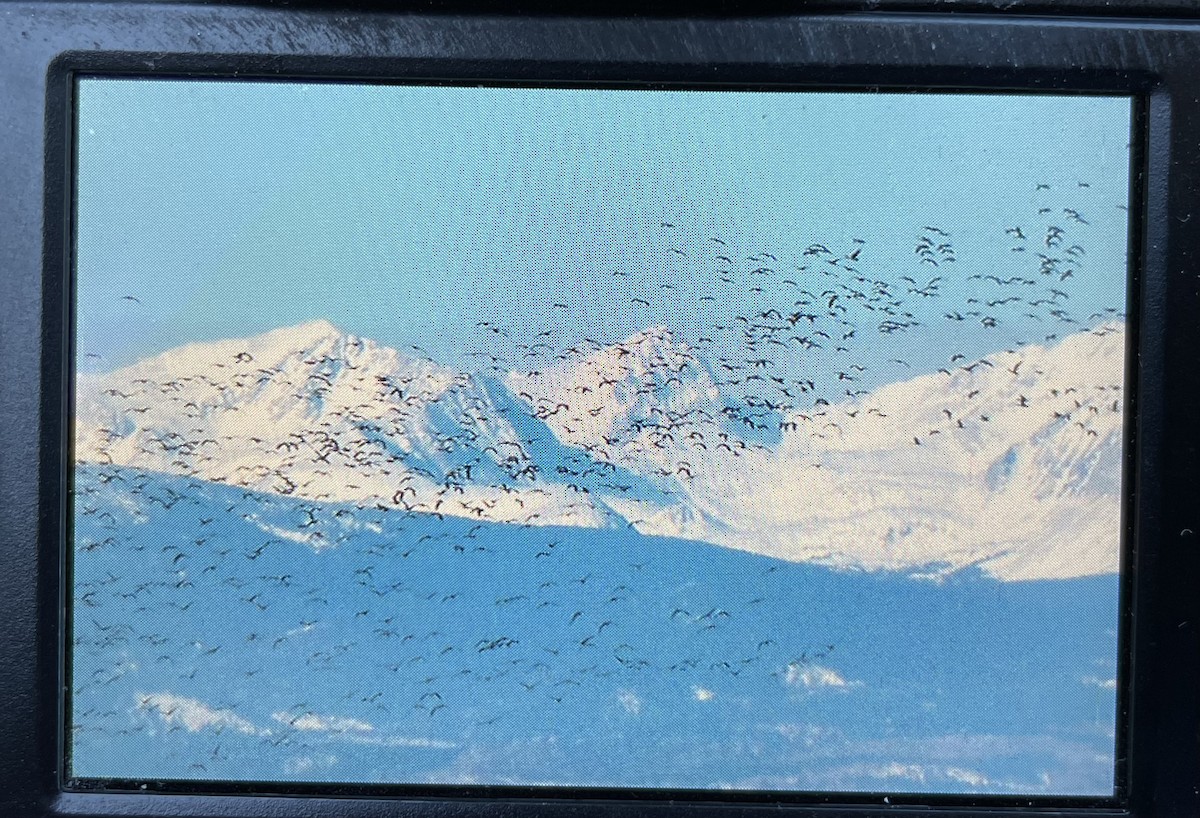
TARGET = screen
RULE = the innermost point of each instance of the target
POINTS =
(720, 440)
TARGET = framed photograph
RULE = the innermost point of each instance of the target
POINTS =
(598, 437)
(542, 415)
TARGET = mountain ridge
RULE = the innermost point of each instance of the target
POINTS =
(639, 434)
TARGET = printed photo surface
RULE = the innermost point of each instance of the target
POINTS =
(729, 440)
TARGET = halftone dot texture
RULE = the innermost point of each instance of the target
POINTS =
(598, 438)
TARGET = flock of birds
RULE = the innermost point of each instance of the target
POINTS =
(412, 621)
(400, 473)
(799, 358)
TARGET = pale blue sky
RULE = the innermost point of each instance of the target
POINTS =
(408, 213)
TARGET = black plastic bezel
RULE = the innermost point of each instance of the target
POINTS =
(1157, 63)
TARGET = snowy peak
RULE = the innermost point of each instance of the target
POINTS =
(270, 349)
(304, 409)
(979, 408)
(1011, 462)
(613, 394)
(651, 353)
(309, 335)
(262, 385)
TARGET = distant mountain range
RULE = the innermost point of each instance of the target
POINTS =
(1011, 463)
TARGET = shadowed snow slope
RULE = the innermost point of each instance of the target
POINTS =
(224, 633)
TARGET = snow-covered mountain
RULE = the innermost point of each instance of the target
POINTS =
(313, 412)
(627, 396)
(1011, 462)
